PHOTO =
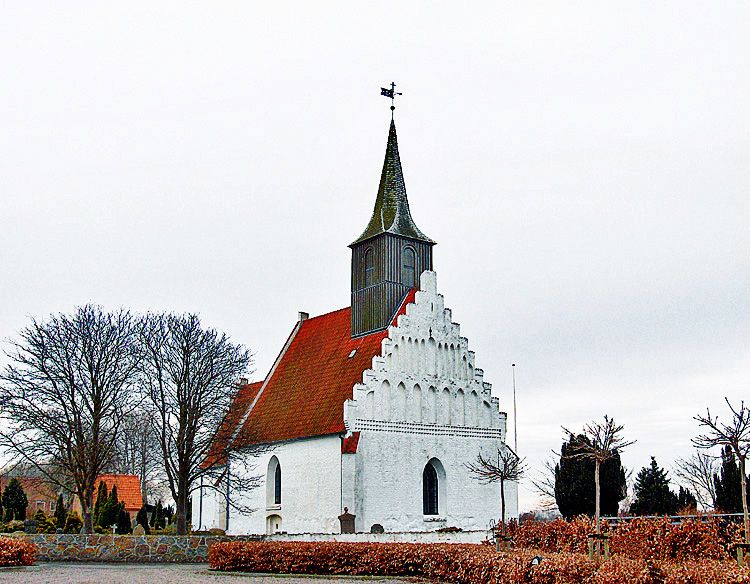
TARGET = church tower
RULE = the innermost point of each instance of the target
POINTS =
(391, 253)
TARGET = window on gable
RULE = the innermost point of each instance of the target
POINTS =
(408, 267)
(429, 490)
(369, 268)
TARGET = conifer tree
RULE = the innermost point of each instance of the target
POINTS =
(14, 501)
(124, 525)
(652, 493)
(157, 519)
(142, 519)
(686, 500)
(574, 484)
(101, 501)
(60, 512)
(110, 510)
(727, 482)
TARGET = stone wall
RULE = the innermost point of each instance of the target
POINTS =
(194, 548)
(123, 548)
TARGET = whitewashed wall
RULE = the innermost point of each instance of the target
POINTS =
(310, 490)
(424, 398)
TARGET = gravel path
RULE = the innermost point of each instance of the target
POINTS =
(93, 573)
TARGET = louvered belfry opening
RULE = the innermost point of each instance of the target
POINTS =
(391, 252)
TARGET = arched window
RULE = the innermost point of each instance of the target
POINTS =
(429, 490)
(273, 482)
(408, 267)
(369, 268)
(277, 485)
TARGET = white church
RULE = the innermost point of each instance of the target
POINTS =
(375, 408)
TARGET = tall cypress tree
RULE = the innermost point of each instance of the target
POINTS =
(101, 501)
(575, 491)
(60, 512)
(728, 484)
(652, 493)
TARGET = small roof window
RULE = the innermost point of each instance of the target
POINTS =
(352, 353)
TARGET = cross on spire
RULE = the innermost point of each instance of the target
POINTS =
(392, 94)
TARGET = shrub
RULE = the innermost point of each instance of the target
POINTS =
(44, 524)
(462, 564)
(16, 552)
(73, 523)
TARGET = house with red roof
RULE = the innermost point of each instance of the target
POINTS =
(374, 409)
(128, 491)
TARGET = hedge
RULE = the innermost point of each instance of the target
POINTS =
(16, 552)
(462, 564)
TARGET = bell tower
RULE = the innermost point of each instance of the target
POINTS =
(391, 253)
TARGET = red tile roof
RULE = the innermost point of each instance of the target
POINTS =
(128, 489)
(245, 396)
(305, 394)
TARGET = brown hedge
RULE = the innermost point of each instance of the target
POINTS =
(462, 564)
(16, 552)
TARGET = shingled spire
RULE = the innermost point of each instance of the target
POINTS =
(391, 213)
(391, 253)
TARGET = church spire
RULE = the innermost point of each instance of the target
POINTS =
(391, 213)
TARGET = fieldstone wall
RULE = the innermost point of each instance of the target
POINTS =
(124, 548)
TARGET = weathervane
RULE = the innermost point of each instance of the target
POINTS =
(392, 94)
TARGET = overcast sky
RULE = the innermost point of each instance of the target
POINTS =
(583, 168)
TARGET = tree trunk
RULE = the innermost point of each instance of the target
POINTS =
(598, 494)
(502, 504)
(744, 497)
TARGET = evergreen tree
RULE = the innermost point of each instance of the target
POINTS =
(110, 510)
(73, 523)
(124, 525)
(101, 501)
(575, 492)
(157, 519)
(14, 501)
(142, 519)
(686, 500)
(652, 493)
(60, 512)
(728, 484)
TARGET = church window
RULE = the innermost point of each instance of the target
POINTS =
(408, 267)
(369, 268)
(277, 485)
(273, 483)
(430, 490)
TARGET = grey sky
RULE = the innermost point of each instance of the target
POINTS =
(584, 169)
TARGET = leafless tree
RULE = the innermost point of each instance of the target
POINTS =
(697, 473)
(191, 376)
(736, 435)
(138, 452)
(506, 467)
(68, 385)
(544, 485)
(605, 440)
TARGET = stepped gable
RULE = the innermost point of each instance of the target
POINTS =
(306, 392)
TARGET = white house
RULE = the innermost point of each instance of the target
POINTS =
(376, 408)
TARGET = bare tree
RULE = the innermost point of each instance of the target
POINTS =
(69, 383)
(507, 467)
(697, 473)
(736, 435)
(544, 485)
(605, 440)
(138, 452)
(191, 377)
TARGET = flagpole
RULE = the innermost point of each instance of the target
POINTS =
(515, 417)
